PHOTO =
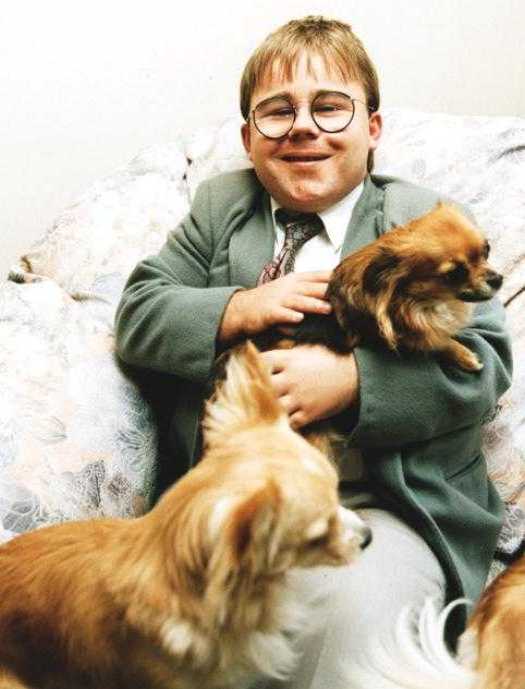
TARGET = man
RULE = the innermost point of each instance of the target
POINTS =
(310, 99)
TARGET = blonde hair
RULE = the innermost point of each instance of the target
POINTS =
(334, 41)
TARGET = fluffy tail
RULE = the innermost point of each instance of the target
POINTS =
(417, 656)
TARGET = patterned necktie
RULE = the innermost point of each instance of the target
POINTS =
(298, 229)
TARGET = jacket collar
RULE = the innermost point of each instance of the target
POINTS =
(366, 223)
(252, 246)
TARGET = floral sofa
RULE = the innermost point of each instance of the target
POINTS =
(77, 437)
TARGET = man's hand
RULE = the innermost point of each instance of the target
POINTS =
(313, 382)
(280, 302)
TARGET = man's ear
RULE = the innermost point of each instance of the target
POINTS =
(375, 127)
(246, 138)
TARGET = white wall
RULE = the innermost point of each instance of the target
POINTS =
(83, 85)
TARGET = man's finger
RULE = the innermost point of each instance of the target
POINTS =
(275, 359)
(287, 314)
(313, 289)
(289, 405)
(297, 419)
(280, 383)
(315, 276)
(299, 302)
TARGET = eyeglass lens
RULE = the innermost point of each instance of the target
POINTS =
(331, 112)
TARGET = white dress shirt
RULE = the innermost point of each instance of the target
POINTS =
(322, 252)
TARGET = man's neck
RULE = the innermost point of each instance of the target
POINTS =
(336, 217)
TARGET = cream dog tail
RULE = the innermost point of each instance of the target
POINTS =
(417, 656)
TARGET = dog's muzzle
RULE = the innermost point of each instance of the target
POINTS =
(355, 528)
(486, 290)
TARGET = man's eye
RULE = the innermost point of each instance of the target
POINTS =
(332, 103)
(279, 112)
(326, 108)
(284, 112)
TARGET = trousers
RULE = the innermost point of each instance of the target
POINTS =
(360, 606)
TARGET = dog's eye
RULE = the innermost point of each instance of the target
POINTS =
(486, 249)
(458, 273)
(318, 542)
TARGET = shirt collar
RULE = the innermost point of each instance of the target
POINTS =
(335, 218)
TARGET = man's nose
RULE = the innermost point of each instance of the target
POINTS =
(304, 122)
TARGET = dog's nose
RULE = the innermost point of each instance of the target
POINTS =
(494, 280)
(355, 527)
(366, 537)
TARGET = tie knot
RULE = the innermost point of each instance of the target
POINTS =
(298, 227)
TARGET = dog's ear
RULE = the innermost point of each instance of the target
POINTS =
(381, 279)
(255, 529)
(244, 396)
(378, 273)
(219, 539)
(244, 550)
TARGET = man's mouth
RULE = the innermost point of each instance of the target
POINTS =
(304, 158)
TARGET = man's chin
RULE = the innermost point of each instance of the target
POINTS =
(307, 195)
(305, 201)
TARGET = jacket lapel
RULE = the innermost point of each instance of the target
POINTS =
(366, 223)
(252, 246)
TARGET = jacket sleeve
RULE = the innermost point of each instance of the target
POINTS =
(168, 317)
(413, 397)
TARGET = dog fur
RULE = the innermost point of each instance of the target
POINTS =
(412, 289)
(195, 593)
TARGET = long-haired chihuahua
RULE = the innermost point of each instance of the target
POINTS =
(196, 592)
(412, 289)
(414, 286)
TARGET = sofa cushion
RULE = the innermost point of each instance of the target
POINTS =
(94, 243)
(478, 161)
(76, 437)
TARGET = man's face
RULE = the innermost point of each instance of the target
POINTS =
(309, 170)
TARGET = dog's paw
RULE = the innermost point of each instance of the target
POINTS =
(459, 355)
(470, 363)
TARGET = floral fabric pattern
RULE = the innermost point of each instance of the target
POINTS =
(94, 244)
(76, 439)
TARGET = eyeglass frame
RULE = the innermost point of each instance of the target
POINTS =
(294, 108)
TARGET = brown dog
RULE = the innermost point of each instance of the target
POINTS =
(193, 594)
(413, 287)
(494, 642)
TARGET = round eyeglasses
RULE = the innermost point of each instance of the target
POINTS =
(332, 111)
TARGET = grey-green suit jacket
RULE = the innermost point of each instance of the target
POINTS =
(419, 423)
